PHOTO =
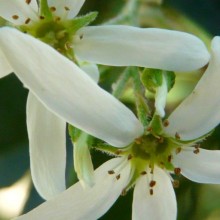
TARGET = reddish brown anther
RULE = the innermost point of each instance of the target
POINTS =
(118, 176)
(196, 151)
(152, 183)
(176, 183)
(178, 150)
(170, 157)
(177, 136)
(151, 192)
(166, 123)
(15, 17)
(67, 8)
(149, 129)
(177, 171)
(130, 157)
(28, 1)
(27, 21)
(117, 152)
(53, 9)
(143, 173)
(111, 172)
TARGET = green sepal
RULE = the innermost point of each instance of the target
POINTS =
(170, 79)
(156, 125)
(74, 133)
(151, 79)
(75, 24)
(45, 10)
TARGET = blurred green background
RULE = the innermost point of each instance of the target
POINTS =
(195, 201)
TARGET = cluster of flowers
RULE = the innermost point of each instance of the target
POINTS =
(55, 56)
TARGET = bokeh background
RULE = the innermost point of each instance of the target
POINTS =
(195, 201)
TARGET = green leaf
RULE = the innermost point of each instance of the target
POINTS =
(151, 79)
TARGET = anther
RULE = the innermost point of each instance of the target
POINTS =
(27, 21)
(152, 183)
(118, 176)
(138, 141)
(53, 9)
(166, 123)
(143, 173)
(66, 8)
(28, 1)
(117, 152)
(177, 136)
(124, 192)
(170, 157)
(178, 150)
(160, 140)
(196, 151)
(130, 157)
(15, 17)
(42, 17)
(111, 172)
(81, 37)
(57, 18)
(149, 129)
(177, 171)
(176, 183)
(151, 192)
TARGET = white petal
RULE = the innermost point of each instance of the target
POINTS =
(83, 161)
(47, 140)
(202, 167)
(160, 98)
(91, 69)
(66, 8)
(199, 112)
(147, 47)
(5, 68)
(80, 204)
(160, 205)
(67, 90)
(20, 8)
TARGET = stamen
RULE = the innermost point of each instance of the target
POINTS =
(177, 171)
(124, 192)
(166, 123)
(81, 37)
(170, 157)
(27, 21)
(118, 176)
(138, 140)
(130, 157)
(149, 129)
(53, 9)
(178, 150)
(152, 183)
(151, 192)
(160, 140)
(42, 17)
(15, 17)
(67, 8)
(57, 18)
(196, 151)
(143, 173)
(28, 1)
(177, 136)
(111, 172)
(118, 152)
(176, 183)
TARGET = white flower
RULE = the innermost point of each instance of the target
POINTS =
(154, 197)
(61, 92)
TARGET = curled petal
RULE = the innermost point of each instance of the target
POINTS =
(66, 90)
(66, 8)
(147, 47)
(18, 11)
(160, 205)
(202, 167)
(47, 140)
(199, 113)
(78, 203)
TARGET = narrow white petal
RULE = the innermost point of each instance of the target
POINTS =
(82, 161)
(65, 89)
(202, 167)
(91, 69)
(80, 204)
(66, 8)
(148, 47)
(11, 8)
(5, 68)
(47, 140)
(199, 112)
(160, 98)
(160, 205)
